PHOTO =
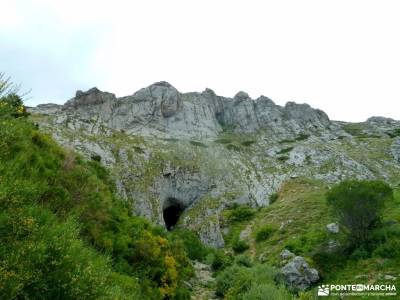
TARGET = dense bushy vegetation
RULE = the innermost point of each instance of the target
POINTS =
(362, 209)
(264, 232)
(358, 206)
(257, 282)
(65, 235)
(240, 213)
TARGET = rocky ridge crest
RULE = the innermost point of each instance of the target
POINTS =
(160, 110)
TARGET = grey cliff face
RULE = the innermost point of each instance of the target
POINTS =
(161, 110)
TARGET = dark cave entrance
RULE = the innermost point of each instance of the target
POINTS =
(171, 213)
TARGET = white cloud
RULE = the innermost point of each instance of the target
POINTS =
(340, 56)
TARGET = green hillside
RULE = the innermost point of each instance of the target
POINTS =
(64, 232)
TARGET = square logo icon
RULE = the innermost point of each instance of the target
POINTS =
(323, 290)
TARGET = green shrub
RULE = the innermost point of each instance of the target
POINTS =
(241, 213)
(389, 249)
(233, 147)
(355, 129)
(286, 141)
(267, 291)
(223, 141)
(234, 282)
(239, 246)
(273, 198)
(283, 158)
(182, 294)
(307, 242)
(360, 253)
(44, 259)
(243, 260)
(264, 233)
(59, 215)
(225, 280)
(195, 249)
(294, 245)
(248, 143)
(358, 205)
(96, 157)
(218, 260)
(302, 137)
(326, 261)
(394, 133)
(138, 149)
(12, 105)
(198, 144)
(285, 150)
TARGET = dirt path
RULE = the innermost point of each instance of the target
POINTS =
(203, 285)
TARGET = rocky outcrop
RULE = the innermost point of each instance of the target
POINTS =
(161, 110)
(380, 120)
(297, 274)
(90, 98)
(395, 148)
(286, 255)
(46, 109)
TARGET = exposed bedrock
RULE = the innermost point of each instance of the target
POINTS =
(161, 110)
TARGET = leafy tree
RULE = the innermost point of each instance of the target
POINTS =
(358, 206)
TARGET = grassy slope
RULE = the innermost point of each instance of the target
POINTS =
(298, 220)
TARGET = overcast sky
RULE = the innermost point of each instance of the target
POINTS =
(341, 56)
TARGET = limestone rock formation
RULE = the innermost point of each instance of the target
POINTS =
(297, 274)
(180, 159)
(161, 110)
(395, 148)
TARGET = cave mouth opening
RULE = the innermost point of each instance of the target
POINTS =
(171, 213)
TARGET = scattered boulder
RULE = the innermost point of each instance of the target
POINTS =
(286, 254)
(297, 274)
(389, 277)
(333, 228)
(386, 277)
(245, 233)
(285, 223)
